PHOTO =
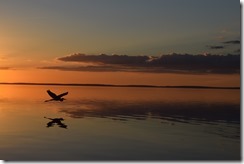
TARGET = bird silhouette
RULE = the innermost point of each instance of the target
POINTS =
(56, 97)
(56, 121)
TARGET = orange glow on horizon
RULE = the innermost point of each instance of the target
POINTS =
(123, 78)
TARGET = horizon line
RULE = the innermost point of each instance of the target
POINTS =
(120, 85)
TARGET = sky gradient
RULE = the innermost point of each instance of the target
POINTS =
(35, 35)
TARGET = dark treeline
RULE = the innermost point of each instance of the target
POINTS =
(113, 85)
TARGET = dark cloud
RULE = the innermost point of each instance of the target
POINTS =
(216, 47)
(120, 69)
(232, 42)
(199, 63)
(106, 59)
(102, 68)
(174, 63)
(237, 51)
(5, 68)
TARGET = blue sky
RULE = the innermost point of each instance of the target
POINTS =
(132, 27)
(49, 40)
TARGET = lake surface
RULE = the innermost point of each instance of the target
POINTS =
(119, 124)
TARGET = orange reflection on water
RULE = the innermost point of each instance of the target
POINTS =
(38, 93)
(165, 117)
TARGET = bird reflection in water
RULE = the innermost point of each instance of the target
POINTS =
(56, 121)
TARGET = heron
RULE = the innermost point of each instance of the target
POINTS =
(56, 121)
(56, 97)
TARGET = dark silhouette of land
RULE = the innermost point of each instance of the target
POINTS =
(113, 85)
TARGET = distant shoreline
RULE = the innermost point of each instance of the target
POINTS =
(114, 85)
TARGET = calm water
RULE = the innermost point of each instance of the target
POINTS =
(119, 124)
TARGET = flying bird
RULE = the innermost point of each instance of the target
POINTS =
(56, 97)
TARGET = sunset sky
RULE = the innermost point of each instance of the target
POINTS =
(120, 41)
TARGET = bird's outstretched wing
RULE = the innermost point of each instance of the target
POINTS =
(63, 94)
(53, 95)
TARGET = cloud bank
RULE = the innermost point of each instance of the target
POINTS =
(106, 59)
(232, 42)
(226, 44)
(5, 68)
(216, 47)
(173, 63)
